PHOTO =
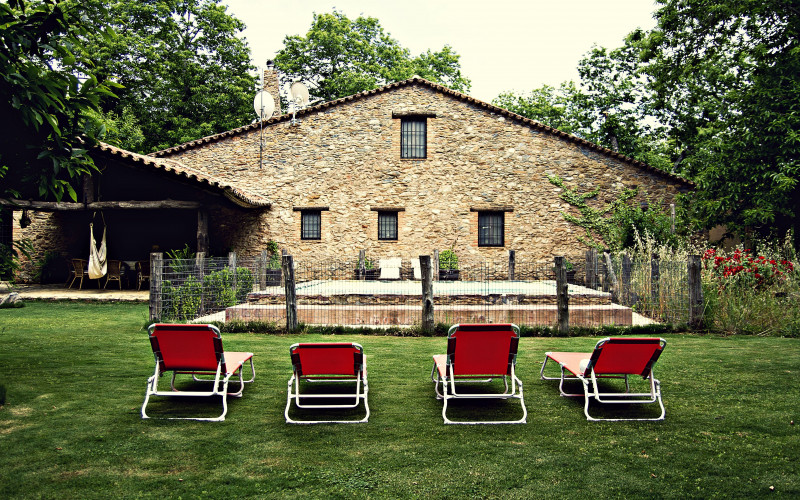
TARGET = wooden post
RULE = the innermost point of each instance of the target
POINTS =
(156, 274)
(695, 292)
(262, 269)
(232, 268)
(655, 277)
(202, 231)
(287, 263)
(672, 216)
(434, 265)
(611, 279)
(362, 266)
(200, 271)
(562, 295)
(427, 292)
(512, 264)
(591, 268)
(626, 280)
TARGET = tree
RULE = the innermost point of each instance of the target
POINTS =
(726, 79)
(339, 57)
(48, 95)
(185, 73)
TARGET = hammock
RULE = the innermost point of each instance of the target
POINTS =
(98, 265)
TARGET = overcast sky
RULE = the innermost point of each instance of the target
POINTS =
(515, 45)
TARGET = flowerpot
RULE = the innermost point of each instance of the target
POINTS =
(273, 277)
(448, 274)
(369, 274)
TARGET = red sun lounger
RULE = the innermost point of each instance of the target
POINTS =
(327, 362)
(478, 353)
(612, 358)
(195, 350)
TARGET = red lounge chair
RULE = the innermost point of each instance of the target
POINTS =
(195, 350)
(611, 358)
(478, 353)
(327, 362)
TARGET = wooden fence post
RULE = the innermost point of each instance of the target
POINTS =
(512, 264)
(362, 265)
(626, 280)
(200, 270)
(232, 268)
(427, 292)
(655, 277)
(695, 292)
(611, 279)
(156, 277)
(435, 265)
(591, 268)
(262, 269)
(562, 295)
(287, 264)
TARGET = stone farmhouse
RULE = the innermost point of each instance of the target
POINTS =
(399, 171)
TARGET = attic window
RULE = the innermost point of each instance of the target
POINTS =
(413, 137)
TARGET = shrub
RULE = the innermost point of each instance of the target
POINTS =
(182, 302)
(222, 292)
(448, 260)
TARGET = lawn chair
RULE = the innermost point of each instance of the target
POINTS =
(478, 353)
(327, 362)
(390, 268)
(195, 350)
(612, 358)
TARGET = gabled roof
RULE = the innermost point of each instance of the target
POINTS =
(417, 80)
(236, 194)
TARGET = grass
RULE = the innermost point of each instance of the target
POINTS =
(75, 376)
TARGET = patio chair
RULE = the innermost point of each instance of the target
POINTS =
(142, 272)
(114, 273)
(478, 353)
(195, 350)
(80, 270)
(612, 358)
(331, 362)
(390, 268)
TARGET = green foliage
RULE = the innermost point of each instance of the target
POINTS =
(448, 260)
(274, 255)
(726, 78)
(221, 291)
(339, 57)
(49, 90)
(182, 302)
(51, 268)
(186, 72)
(617, 223)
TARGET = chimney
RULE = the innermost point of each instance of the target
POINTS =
(272, 85)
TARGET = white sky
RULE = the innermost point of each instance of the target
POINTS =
(505, 45)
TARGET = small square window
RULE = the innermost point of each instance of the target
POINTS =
(311, 225)
(387, 225)
(413, 137)
(491, 229)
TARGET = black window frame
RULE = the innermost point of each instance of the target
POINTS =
(310, 233)
(414, 138)
(487, 237)
(393, 220)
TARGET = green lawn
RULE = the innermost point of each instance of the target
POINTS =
(75, 376)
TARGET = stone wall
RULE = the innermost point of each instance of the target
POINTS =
(345, 159)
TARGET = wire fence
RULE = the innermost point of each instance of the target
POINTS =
(351, 292)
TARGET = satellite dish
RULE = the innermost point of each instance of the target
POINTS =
(299, 93)
(264, 105)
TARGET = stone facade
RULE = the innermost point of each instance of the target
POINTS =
(343, 158)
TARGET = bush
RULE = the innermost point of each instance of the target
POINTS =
(448, 260)
(222, 292)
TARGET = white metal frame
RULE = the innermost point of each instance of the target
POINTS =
(591, 390)
(449, 380)
(361, 392)
(220, 384)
